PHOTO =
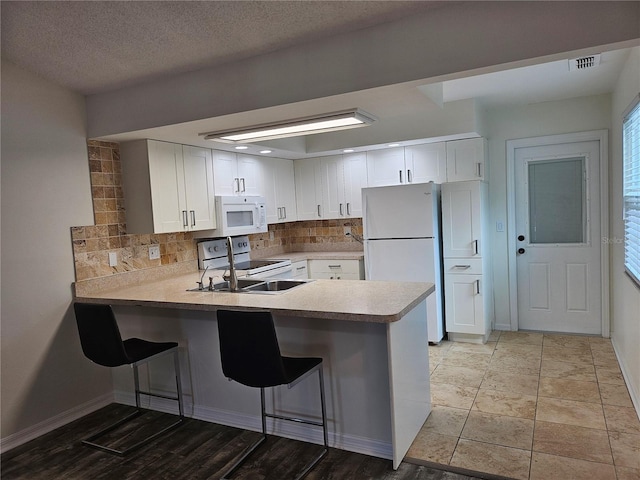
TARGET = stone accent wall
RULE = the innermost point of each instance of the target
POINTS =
(93, 243)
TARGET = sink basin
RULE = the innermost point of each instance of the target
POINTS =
(274, 286)
(249, 285)
(224, 286)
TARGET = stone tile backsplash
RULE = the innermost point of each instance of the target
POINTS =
(92, 244)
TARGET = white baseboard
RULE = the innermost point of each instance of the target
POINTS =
(305, 433)
(39, 429)
(634, 390)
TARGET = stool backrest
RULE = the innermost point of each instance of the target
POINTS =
(99, 334)
(249, 348)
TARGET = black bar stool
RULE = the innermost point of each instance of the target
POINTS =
(250, 355)
(101, 343)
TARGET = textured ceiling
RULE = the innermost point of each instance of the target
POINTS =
(98, 46)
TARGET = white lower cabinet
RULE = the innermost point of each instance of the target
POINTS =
(299, 269)
(336, 269)
(464, 304)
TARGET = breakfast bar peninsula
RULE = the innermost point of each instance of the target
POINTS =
(372, 336)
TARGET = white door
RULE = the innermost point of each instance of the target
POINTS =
(557, 192)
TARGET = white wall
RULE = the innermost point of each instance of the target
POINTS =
(625, 295)
(45, 190)
(548, 118)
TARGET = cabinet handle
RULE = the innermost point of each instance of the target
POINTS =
(301, 268)
(185, 221)
(462, 267)
(348, 208)
(243, 187)
(480, 169)
(335, 266)
(319, 214)
(477, 282)
(284, 212)
(279, 213)
(193, 218)
(236, 188)
(400, 174)
(475, 247)
(409, 176)
(341, 214)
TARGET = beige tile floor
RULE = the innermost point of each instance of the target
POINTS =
(531, 406)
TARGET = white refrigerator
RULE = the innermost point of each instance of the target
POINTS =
(402, 241)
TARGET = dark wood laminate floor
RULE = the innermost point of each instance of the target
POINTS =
(195, 450)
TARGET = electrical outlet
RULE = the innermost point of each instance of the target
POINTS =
(347, 230)
(499, 226)
(154, 252)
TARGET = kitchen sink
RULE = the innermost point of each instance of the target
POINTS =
(274, 286)
(249, 285)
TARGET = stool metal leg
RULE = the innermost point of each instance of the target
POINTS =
(139, 411)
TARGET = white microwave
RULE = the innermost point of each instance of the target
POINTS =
(240, 215)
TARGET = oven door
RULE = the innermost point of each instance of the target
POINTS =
(285, 271)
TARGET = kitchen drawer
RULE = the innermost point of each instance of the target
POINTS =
(345, 269)
(299, 269)
(468, 266)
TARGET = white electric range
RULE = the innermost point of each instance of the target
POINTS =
(212, 254)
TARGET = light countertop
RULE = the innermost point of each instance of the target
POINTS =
(352, 300)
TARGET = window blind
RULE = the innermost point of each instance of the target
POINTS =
(631, 189)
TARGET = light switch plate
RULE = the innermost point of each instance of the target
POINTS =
(113, 259)
(154, 252)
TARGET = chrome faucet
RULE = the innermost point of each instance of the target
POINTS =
(200, 285)
(233, 278)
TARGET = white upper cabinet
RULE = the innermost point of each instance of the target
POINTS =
(466, 160)
(168, 187)
(355, 179)
(308, 180)
(280, 190)
(330, 187)
(386, 167)
(238, 174)
(412, 164)
(426, 163)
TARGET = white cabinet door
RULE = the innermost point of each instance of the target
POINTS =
(280, 190)
(299, 269)
(462, 219)
(355, 179)
(466, 160)
(198, 187)
(251, 175)
(225, 173)
(166, 180)
(333, 202)
(464, 304)
(308, 179)
(426, 163)
(386, 167)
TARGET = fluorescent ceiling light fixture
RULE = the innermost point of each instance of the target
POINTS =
(241, 147)
(348, 150)
(265, 151)
(328, 122)
(393, 145)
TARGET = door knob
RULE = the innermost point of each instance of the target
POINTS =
(521, 251)
(520, 238)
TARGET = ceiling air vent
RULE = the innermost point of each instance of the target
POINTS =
(582, 63)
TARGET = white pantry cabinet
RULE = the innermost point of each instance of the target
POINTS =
(280, 190)
(466, 160)
(168, 187)
(468, 289)
(238, 174)
(412, 164)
